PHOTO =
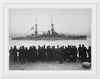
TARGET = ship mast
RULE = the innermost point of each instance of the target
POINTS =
(52, 29)
(36, 32)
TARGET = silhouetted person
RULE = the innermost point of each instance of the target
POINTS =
(30, 57)
(89, 53)
(80, 52)
(26, 54)
(23, 54)
(15, 54)
(49, 53)
(84, 53)
(11, 54)
(74, 53)
(20, 54)
(53, 53)
(34, 53)
(39, 53)
(70, 52)
(44, 52)
(67, 53)
(61, 54)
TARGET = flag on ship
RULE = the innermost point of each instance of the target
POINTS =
(32, 28)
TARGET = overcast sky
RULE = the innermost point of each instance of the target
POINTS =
(65, 20)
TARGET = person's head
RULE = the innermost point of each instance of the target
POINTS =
(14, 46)
(79, 45)
(38, 45)
(26, 48)
(22, 47)
(82, 45)
(57, 46)
(30, 47)
(89, 47)
(44, 46)
(33, 46)
(65, 47)
(70, 46)
(53, 47)
(11, 47)
(74, 46)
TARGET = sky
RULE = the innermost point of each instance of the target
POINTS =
(65, 20)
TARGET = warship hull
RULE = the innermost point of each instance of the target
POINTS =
(51, 38)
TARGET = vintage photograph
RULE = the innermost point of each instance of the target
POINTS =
(50, 39)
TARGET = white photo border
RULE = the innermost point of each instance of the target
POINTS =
(6, 70)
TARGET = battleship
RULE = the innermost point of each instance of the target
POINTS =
(50, 35)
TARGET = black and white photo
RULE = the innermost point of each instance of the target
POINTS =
(50, 39)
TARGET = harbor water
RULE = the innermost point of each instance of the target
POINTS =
(28, 43)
